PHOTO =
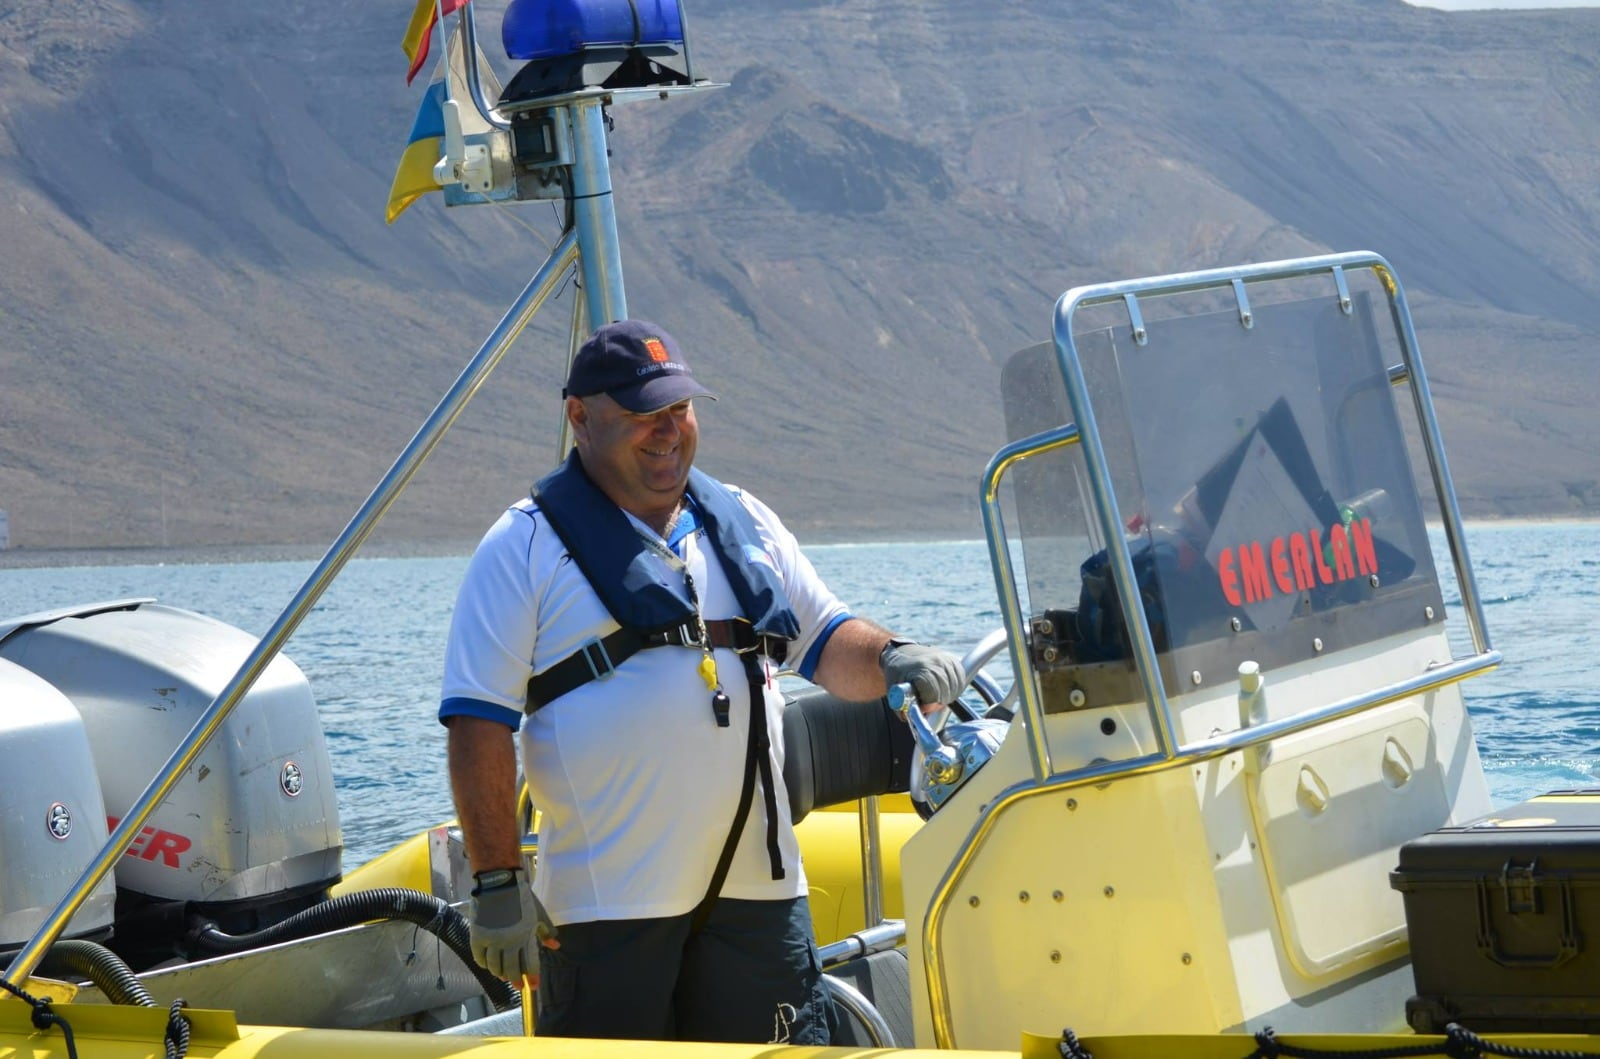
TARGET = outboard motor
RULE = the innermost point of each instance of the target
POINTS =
(53, 818)
(250, 834)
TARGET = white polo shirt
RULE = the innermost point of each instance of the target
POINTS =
(636, 783)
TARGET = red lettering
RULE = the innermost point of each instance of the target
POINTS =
(1361, 537)
(1300, 552)
(138, 843)
(1324, 574)
(1280, 566)
(167, 846)
(1254, 567)
(151, 843)
(1229, 578)
(1247, 573)
(1343, 568)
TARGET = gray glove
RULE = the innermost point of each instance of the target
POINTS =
(935, 675)
(508, 926)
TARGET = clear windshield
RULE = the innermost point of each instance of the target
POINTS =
(1263, 481)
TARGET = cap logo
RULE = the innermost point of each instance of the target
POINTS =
(657, 351)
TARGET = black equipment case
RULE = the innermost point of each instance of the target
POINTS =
(1504, 917)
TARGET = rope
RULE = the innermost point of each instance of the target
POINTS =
(43, 1017)
(1269, 1047)
(1070, 1048)
(1459, 1043)
(1470, 1044)
(177, 1037)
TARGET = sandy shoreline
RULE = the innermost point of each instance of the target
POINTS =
(26, 558)
(154, 555)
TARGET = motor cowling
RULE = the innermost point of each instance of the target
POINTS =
(251, 831)
(52, 816)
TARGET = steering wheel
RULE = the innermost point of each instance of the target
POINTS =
(981, 654)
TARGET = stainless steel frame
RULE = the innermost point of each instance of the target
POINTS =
(851, 998)
(469, 38)
(1046, 781)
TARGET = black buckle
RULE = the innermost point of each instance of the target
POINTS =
(745, 631)
(591, 651)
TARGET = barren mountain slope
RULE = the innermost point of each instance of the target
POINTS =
(210, 335)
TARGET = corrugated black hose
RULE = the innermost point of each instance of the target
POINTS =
(389, 902)
(100, 965)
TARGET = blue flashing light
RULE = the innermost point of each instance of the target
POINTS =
(546, 29)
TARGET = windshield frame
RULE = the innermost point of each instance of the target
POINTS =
(1109, 519)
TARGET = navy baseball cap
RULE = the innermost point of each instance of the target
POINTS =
(636, 364)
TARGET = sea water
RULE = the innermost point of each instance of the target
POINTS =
(372, 649)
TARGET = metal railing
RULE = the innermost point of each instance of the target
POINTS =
(1084, 430)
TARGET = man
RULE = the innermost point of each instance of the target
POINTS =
(625, 616)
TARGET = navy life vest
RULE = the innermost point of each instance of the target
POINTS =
(638, 587)
(649, 599)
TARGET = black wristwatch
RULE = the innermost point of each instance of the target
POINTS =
(890, 646)
(493, 879)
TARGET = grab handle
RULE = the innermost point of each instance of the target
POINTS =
(939, 762)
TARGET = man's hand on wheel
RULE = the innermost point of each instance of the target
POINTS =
(935, 675)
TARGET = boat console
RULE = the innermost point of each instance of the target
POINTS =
(1237, 696)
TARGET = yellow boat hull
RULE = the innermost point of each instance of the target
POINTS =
(107, 1032)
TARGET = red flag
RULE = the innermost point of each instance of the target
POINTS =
(420, 32)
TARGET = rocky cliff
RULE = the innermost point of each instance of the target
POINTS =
(209, 335)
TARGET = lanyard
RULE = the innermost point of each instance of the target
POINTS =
(708, 663)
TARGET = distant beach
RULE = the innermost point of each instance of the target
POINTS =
(155, 555)
(381, 548)
(377, 548)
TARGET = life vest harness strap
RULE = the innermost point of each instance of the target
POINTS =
(599, 658)
(757, 759)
